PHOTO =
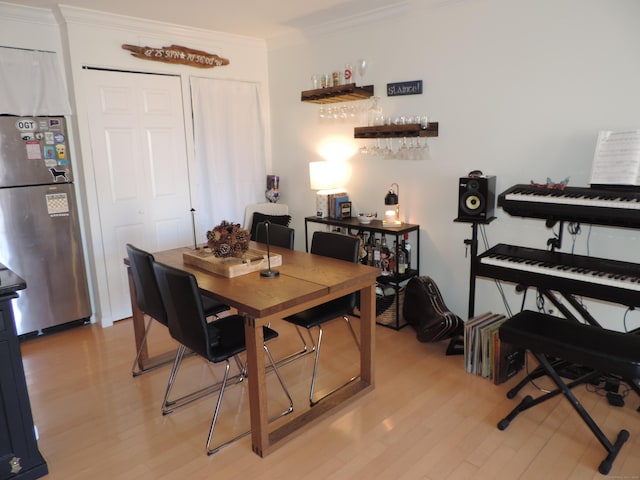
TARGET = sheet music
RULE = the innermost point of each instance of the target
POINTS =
(616, 160)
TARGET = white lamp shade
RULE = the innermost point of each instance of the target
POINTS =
(328, 175)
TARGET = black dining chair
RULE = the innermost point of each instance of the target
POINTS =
(216, 342)
(149, 301)
(278, 235)
(342, 247)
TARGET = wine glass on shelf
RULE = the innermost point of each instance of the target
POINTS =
(362, 69)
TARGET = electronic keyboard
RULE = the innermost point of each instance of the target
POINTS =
(603, 206)
(600, 278)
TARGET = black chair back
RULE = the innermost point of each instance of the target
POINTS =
(147, 293)
(336, 245)
(185, 315)
(279, 235)
(342, 247)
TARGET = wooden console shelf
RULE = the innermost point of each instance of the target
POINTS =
(341, 93)
(397, 280)
(394, 131)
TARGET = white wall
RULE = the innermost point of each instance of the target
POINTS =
(520, 88)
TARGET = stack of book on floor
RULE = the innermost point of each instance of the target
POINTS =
(484, 354)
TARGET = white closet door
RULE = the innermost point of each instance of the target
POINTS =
(140, 166)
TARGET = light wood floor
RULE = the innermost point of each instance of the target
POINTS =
(426, 418)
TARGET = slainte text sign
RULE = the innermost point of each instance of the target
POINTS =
(177, 54)
(404, 88)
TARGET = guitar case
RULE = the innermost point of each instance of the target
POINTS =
(424, 309)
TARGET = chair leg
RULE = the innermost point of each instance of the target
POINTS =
(305, 349)
(135, 368)
(212, 450)
(313, 402)
(172, 377)
(284, 388)
(353, 333)
(170, 406)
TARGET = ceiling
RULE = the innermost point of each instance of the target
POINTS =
(255, 18)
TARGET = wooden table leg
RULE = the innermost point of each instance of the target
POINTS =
(257, 386)
(138, 322)
(263, 443)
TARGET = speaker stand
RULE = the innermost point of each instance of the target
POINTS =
(456, 345)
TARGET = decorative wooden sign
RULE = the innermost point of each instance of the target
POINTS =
(404, 88)
(177, 54)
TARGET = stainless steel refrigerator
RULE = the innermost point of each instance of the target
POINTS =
(39, 227)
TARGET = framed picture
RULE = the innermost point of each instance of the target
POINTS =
(345, 210)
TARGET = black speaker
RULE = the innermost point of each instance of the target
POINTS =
(476, 198)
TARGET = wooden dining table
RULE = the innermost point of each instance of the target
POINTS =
(305, 280)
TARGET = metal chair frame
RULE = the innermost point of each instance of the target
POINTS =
(187, 325)
(316, 347)
(150, 303)
(334, 245)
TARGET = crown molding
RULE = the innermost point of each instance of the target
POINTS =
(145, 27)
(20, 13)
(355, 20)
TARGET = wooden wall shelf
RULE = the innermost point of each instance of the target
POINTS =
(341, 93)
(395, 131)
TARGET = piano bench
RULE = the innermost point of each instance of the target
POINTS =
(598, 349)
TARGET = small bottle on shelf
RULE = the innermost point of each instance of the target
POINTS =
(362, 252)
(369, 248)
(376, 254)
(385, 257)
(401, 260)
(407, 248)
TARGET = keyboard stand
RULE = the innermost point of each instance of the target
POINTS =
(545, 337)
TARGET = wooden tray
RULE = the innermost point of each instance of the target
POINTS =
(252, 261)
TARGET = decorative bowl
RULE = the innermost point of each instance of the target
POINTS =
(366, 218)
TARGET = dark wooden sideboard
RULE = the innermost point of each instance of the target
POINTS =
(20, 458)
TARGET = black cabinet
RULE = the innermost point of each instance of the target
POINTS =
(391, 317)
(19, 455)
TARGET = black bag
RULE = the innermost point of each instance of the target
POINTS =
(425, 311)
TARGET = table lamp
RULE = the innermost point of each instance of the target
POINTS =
(392, 215)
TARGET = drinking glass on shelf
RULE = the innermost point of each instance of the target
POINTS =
(403, 150)
(424, 122)
(388, 149)
(362, 69)
(426, 151)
